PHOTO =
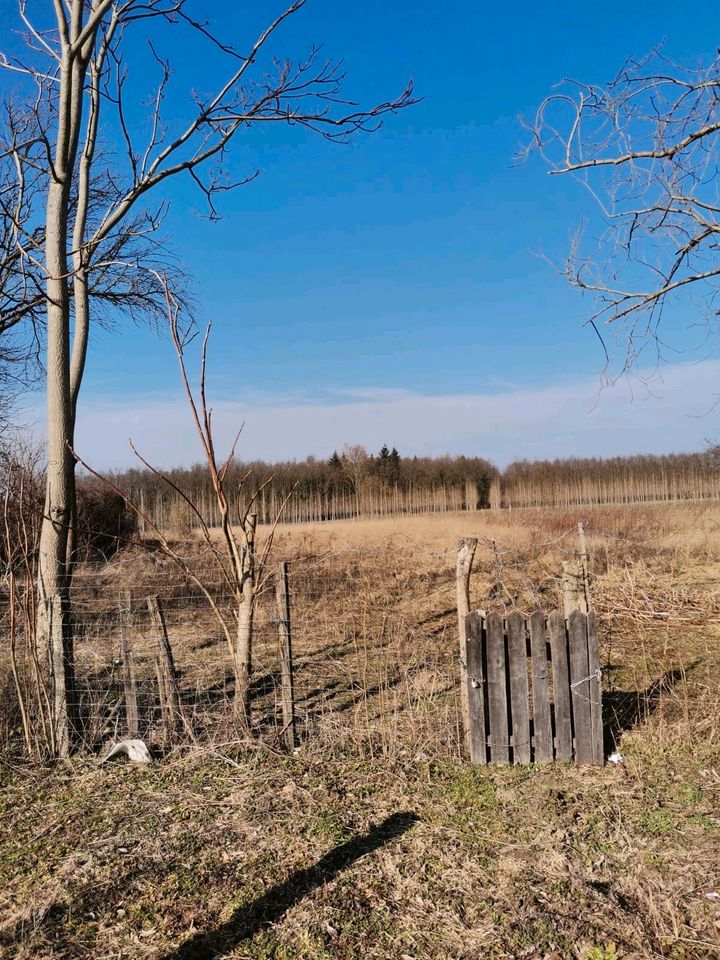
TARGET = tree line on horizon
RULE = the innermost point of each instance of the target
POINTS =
(349, 483)
(353, 482)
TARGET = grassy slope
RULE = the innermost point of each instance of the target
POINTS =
(251, 858)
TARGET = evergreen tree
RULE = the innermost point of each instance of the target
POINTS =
(382, 463)
(335, 462)
(394, 469)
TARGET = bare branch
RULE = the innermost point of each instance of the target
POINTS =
(646, 147)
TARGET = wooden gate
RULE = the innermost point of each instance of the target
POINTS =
(533, 688)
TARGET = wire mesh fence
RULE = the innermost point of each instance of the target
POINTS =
(361, 674)
(373, 629)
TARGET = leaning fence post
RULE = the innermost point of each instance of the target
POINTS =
(282, 597)
(129, 685)
(465, 556)
(165, 667)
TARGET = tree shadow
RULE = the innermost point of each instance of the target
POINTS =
(358, 694)
(335, 651)
(272, 905)
(625, 709)
(323, 694)
(262, 683)
(368, 694)
(441, 615)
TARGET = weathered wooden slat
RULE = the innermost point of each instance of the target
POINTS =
(542, 721)
(519, 694)
(497, 692)
(596, 718)
(561, 686)
(580, 687)
(476, 734)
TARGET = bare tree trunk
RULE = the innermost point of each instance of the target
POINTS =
(54, 625)
(243, 661)
(54, 622)
(245, 615)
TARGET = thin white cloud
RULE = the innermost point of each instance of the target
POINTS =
(553, 421)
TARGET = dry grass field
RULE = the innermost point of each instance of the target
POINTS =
(376, 839)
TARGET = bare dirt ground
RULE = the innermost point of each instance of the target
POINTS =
(375, 839)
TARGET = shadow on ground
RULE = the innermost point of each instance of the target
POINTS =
(272, 905)
(625, 709)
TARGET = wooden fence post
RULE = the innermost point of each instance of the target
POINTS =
(576, 579)
(165, 667)
(282, 596)
(129, 684)
(574, 595)
(584, 566)
(465, 556)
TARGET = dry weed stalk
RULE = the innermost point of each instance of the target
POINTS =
(19, 532)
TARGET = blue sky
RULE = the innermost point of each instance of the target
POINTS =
(409, 261)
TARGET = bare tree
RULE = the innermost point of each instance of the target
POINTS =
(79, 70)
(355, 463)
(126, 276)
(241, 565)
(646, 148)
(242, 568)
(21, 293)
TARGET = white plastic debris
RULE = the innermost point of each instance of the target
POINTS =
(713, 895)
(615, 758)
(135, 750)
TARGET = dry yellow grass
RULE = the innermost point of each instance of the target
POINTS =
(376, 839)
(373, 612)
(690, 526)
